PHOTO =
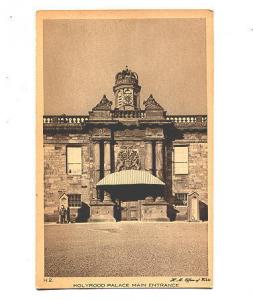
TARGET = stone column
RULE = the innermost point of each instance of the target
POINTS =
(101, 211)
(107, 158)
(159, 159)
(96, 149)
(107, 197)
(148, 156)
(107, 168)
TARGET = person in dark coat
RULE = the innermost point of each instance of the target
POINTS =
(62, 214)
(68, 215)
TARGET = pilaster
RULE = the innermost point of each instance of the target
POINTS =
(159, 159)
(148, 156)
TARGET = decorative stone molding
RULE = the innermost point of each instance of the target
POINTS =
(63, 200)
(80, 123)
(104, 104)
(126, 76)
(154, 211)
(197, 125)
(101, 212)
(128, 159)
(152, 104)
(149, 199)
(101, 133)
(159, 199)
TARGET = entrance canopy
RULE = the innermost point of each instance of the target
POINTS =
(130, 177)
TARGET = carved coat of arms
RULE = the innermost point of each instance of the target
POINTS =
(128, 159)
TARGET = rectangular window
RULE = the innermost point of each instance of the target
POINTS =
(74, 160)
(74, 200)
(180, 160)
(181, 199)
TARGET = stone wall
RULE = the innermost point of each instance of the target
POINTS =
(56, 179)
(197, 178)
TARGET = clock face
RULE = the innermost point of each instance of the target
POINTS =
(128, 98)
(125, 97)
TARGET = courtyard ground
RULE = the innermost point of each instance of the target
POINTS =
(126, 249)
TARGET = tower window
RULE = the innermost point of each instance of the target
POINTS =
(181, 160)
(74, 160)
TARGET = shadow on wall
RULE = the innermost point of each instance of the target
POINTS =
(52, 218)
(203, 211)
(177, 214)
(83, 213)
(172, 212)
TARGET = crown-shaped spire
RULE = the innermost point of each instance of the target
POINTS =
(126, 76)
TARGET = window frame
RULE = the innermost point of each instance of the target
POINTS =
(186, 162)
(185, 194)
(81, 162)
(71, 195)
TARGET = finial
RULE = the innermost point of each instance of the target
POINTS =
(104, 99)
(104, 104)
(151, 104)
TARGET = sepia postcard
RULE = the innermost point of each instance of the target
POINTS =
(124, 149)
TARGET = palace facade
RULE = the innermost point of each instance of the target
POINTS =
(121, 162)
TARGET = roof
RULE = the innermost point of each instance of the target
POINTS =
(130, 177)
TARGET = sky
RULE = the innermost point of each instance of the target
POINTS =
(82, 57)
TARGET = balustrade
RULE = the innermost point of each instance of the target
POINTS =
(140, 114)
(187, 118)
(124, 114)
(65, 119)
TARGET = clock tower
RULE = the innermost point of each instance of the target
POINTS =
(127, 90)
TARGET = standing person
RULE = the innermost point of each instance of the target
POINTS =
(62, 214)
(67, 215)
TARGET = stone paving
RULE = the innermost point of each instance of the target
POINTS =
(126, 249)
